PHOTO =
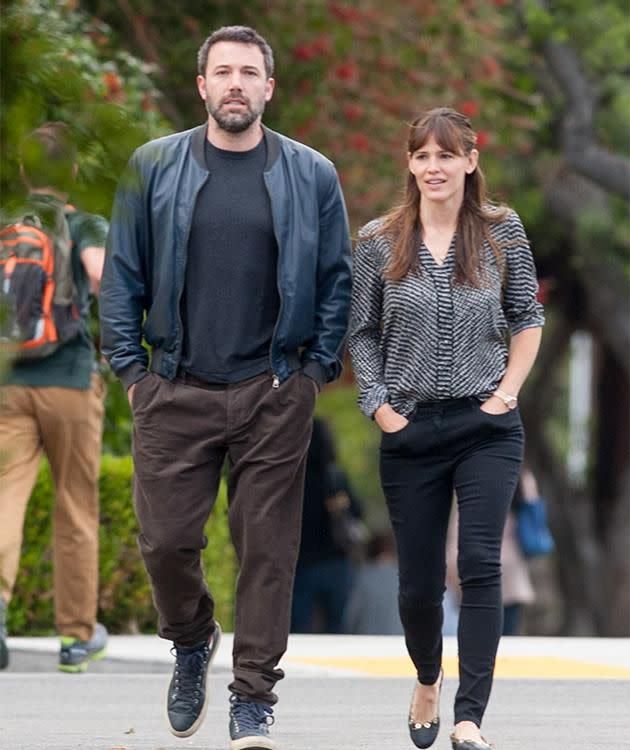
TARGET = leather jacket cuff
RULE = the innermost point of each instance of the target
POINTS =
(316, 372)
(132, 374)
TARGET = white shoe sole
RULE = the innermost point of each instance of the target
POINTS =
(253, 743)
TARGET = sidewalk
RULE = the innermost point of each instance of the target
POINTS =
(340, 693)
(385, 656)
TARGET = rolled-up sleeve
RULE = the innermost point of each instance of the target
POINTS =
(364, 342)
(520, 305)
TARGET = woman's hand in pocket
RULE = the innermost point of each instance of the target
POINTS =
(389, 420)
(494, 405)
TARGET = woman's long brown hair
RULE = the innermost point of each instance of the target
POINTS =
(452, 132)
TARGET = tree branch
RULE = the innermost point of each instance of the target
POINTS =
(577, 555)
(609, 170)
(603, 279)
(580, 149)
(150, 53)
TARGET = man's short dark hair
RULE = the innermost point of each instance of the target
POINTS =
(48, 155)
(240, 34)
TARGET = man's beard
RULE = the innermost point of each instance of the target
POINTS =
(234, 122)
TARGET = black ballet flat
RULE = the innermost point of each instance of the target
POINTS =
(469, 744)
(424, 734)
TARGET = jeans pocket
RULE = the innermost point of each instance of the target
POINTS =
(138, 399)
(390, 439)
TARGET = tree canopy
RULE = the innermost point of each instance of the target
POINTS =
(546, 86)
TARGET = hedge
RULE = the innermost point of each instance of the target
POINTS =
(125, 604)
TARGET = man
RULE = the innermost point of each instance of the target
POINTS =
(229, 254)
(54, 405)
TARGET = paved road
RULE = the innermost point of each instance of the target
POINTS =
(119, 705)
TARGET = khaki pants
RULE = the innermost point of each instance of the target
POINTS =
(66, 425)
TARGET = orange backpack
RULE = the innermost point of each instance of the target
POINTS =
(38, 310)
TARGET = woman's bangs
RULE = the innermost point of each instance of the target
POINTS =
(446, 134)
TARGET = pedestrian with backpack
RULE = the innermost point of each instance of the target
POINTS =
(51, 397)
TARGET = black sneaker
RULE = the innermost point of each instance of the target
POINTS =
(187, 696)
(249, 725)
(4, 651)
(75, 655)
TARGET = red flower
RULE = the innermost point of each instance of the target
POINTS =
(344, 13)
(304, 52)
(112, 82)
(353, 111)
(322, 44)
(469, 108)
(483, 138)
(490, 66)
(359, 142)
(303, 131)
(347, 71)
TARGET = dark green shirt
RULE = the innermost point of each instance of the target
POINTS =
(71, 366)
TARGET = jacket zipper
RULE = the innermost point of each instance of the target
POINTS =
(275, 382)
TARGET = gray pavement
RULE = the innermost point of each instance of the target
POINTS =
(119, 705)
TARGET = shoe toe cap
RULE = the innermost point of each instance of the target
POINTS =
(180, 722)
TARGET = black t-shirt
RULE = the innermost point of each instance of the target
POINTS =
(230, 302)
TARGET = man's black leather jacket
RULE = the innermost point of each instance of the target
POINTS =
(144, 271)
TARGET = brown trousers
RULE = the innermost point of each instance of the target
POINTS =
(182, 435)
(66, 425)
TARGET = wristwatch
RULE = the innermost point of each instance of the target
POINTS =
(510, 401)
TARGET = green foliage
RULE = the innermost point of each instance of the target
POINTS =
(350, 84)
(600, 36)
(356, 439)
(171, 33)
(60, 64)
(118, 422)
(350, 76)
(124, 596)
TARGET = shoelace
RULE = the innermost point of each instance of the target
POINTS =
(249, 716)
(189, 670)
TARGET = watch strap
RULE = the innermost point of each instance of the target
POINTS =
(510, 401)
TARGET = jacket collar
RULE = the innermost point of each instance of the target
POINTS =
(199, 136)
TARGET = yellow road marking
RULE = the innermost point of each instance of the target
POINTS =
(510, 667)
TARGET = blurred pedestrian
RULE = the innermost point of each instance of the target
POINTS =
(445, 327)
(373, 604)
(333, 535)
(51, 399)
(229, 253)
(517, 590)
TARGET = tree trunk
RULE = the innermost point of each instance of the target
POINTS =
(570, 511)
(612, 491)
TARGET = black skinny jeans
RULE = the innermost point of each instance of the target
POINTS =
(452, 446)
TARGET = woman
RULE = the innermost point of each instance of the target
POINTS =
(445, 328)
